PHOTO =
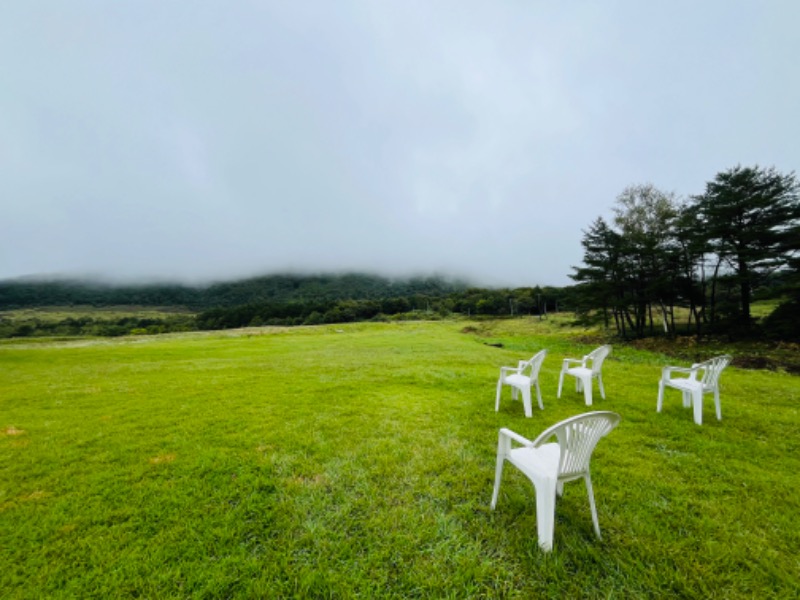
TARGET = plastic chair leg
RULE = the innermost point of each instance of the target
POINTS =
(697, 403)
(498, 475)
(719, 407)
(539, 395)
(560, 383)
(497, 398)
(526, 401)
(545, 512)
(660, 401)
(600, 385)
(587, 391)
(590, 491)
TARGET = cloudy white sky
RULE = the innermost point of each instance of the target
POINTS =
(218, 139)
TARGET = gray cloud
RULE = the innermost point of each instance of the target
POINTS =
(220, 139)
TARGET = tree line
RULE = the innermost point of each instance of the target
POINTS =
(276, 288)
(710, 255)
(470, 302)
(281, 300)
(95, 326)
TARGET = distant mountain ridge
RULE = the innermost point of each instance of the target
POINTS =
(277, 288)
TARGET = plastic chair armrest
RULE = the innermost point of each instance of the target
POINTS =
(667, 371)
(698, 368)
(515, 436)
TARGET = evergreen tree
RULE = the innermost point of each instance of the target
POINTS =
(750, 216)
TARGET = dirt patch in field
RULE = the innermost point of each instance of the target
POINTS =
(592, 340)
(162, 458)
(11, 430)
(770, 356)
(314, 481)
(37, 495)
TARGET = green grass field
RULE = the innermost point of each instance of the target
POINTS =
(357, 461)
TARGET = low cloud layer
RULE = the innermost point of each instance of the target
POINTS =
(156, 140)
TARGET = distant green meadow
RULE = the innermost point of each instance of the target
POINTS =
(357, 461)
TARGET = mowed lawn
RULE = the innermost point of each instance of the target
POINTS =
(358, 461)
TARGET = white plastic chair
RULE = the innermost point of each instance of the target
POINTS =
(584, 374)
(522, 382)
(693, 388)
(550, 464)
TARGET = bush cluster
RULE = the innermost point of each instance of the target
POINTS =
(89, 326)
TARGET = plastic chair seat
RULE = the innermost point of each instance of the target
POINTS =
(541, 462)
(517, 380)
(581, 372)
(687, 385)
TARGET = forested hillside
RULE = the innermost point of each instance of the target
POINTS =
(280, 289)
(283, 300)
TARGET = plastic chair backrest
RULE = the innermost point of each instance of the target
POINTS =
(597, 357)
(535, 363)
(712, 369)
(577, 437)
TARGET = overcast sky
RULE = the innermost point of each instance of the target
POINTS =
(219, 139)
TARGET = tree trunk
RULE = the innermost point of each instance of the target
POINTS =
(745, 291)
(713, 300)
